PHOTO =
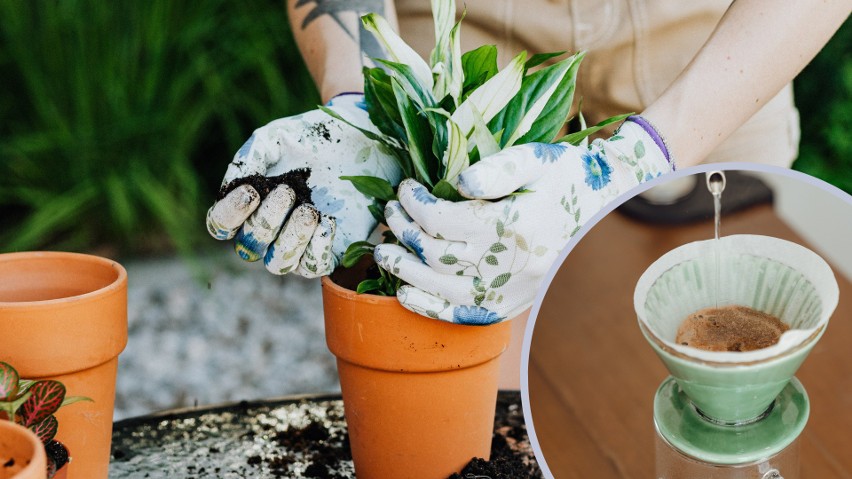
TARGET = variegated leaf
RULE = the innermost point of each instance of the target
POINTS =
(492, 96)
(443, 14)
(404, 74)
(455, 158)
(481, 136)
(46, 397)
(46, 428)
(537, 107)
(446, 56)
(455, 70)
(419, 136)
(397, 49)
(8, 382)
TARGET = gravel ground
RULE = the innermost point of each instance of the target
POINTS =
(229, 332)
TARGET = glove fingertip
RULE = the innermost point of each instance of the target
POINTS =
(485, 181)
(387, 255)
(469, 186)
(248, 247)
(242, 194)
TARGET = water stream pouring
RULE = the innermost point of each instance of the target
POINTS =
(716, 185)
(733, 414)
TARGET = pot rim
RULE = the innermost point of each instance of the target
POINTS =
(106, 263)
(39, 456)
(350, 295)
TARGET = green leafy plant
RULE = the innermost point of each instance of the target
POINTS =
(823, 93)
(119, 108)
(33, 404)
(438, 118)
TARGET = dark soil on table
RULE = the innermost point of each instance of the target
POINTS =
(511, 454)
(509, 459)
(302, 438)
(326, 450)
(296, 179)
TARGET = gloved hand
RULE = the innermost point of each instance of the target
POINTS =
(480, 262)
(314, 236)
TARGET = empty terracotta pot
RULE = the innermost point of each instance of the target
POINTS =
(64, 317)
(21, 453)
(419, 394)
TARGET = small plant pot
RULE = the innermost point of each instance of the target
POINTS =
(52, 459)
(64, 317)
(62, 472)
(419, 394)
(21, 453)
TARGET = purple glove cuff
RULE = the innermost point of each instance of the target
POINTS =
(655, 135)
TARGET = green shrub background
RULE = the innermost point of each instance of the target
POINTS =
(120, 117)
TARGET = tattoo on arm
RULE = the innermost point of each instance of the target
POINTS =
(336, 10)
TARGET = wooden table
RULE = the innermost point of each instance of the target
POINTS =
(592, 376)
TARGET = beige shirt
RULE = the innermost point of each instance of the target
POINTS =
(635, 49)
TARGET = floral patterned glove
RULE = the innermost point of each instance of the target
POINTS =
(480, 262)
(308, 239)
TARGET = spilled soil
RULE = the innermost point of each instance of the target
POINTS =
(299, 438)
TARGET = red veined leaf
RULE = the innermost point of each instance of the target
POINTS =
(8, 382)
(46, 398)
(46, 428)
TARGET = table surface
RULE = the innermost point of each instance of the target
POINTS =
(592, 376)
(293, 437)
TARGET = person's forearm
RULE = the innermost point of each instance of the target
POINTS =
(758, 47)
(332, 41)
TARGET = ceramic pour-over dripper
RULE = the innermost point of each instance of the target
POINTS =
(771, 275)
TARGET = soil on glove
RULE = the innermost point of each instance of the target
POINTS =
(731, 328)
(296, 179)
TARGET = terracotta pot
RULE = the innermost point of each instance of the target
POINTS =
(419, 394)
(64, 317)
(62, 473)
(24, 449)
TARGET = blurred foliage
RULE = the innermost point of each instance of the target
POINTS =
(120, 117)
(824, 98)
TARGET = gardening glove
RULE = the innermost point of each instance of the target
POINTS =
(289, 234)
(479, 261)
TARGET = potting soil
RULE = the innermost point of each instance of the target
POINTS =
(296, 179)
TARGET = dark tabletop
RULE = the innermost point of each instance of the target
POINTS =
(293, 437)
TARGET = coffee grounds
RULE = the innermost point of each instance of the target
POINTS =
(731, 328)
(296, 179)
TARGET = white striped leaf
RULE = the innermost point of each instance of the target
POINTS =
(492, 96)
(397, 49)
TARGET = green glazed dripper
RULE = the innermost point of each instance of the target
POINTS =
(768, 274)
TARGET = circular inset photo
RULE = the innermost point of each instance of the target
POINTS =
(701, 329)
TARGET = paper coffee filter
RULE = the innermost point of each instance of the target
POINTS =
(768, 274)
